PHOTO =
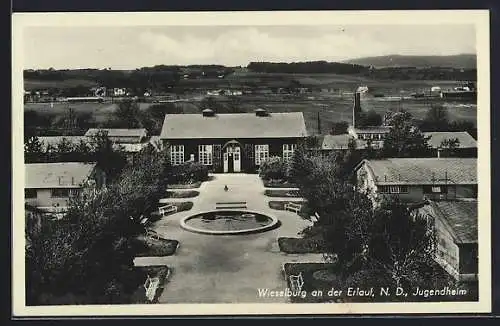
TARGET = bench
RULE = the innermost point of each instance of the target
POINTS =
(150, 286)
(231, 205)
(314, 218)
(294, 207)
(296, 282)
(152, 234)
(166, 209)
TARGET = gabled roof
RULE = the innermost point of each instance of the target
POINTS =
(340, 142)
(423, 171)
(116, 132)
(57, 175)
(436, 137)
(460, 217)
(234, 125)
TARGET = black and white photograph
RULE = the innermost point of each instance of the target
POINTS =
(246, 162)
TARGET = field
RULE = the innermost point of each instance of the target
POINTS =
(31, 84)
(333, 103)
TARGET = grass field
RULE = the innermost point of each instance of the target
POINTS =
(333, 106)
(30, 84)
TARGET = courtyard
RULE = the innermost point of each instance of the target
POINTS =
(227, 268)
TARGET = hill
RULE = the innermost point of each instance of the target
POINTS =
(466, 61)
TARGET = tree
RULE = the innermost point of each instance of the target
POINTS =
(404, 138)
(33, 150)
(128, 114)
(108, 157)
(274, 168)
(401, 245)
(436, 119)
(450, 144)
(370, 118)
(339, 128)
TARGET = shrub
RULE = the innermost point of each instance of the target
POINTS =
(273, 168)
(189, 172)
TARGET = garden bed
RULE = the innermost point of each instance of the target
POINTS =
(278, 184)
(282, 193)
(162, 272)
(182, 194)
(154, 247)
(194, 185)
(280, 205)
(300, 246)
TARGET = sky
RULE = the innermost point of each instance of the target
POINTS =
(116, 47)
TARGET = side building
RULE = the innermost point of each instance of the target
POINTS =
(454, 225)
(230, 142)
(418, 179)
(49, 186)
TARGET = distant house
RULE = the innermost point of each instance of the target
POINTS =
(467, 145)
(49, 186)
(374, 134)
(233, 142)
(121, 136)
(455, 227)
(341, 142)
(417, 179)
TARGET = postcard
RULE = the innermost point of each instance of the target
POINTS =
(251, 163)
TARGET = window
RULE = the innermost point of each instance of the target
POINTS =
(60, 193)
(288, 150)
(29, 193)
(177, 154)
(261, 153)
(435, 189)
(205, 154)
(393, 189)
(74, 192)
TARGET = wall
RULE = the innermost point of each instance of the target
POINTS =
(447, 253)
(247, 151)
(468, 265)
(44, 199)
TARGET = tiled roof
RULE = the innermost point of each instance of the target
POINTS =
(340, 142)
(234, 125)
(465, 139)
(116, 132)
(461, 217)
(57, 175)
(421, 171)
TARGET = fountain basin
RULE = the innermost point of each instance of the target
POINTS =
(227, 222)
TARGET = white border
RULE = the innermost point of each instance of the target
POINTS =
(479, 18)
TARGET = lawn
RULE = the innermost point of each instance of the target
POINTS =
(300, 246)
(154, 247)
(183, 194)
(281, 193)
(185, 186)
(278, 184)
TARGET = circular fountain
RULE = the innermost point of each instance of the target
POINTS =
(226, 222)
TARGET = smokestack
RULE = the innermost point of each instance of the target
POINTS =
(356, 109)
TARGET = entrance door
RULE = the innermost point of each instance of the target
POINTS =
(232, 159)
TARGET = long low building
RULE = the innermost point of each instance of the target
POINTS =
(49, 186)
(228, 142)
(417, 179)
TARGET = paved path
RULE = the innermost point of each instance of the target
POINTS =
(230, 268)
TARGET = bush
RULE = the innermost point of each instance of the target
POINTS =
(300, 246)
(273, 168)
(189, 172)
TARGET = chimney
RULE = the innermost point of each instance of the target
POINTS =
(261, 113)
(356, 109)
(208, 113)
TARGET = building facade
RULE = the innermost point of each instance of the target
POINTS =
(229, 143)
